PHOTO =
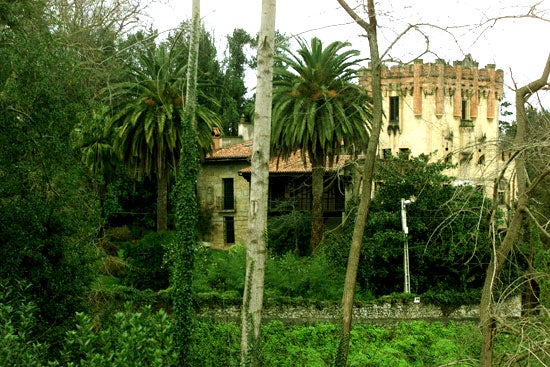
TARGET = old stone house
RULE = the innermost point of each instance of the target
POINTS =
(224, 183)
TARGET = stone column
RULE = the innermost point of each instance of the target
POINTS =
(417, 89)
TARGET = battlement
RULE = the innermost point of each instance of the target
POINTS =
(461, 81)
(466, 70)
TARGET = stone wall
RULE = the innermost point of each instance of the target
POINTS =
(381, 312)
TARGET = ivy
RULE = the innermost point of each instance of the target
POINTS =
(183, 250)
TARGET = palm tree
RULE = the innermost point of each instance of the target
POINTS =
(148, 117)
(319, 109)
(98, 156)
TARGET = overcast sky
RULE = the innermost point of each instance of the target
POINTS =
(519, 45)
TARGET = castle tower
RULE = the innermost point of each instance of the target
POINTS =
(448, 111)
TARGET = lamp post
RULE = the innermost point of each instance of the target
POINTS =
(404, 203)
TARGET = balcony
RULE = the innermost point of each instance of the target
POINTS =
(225, 204)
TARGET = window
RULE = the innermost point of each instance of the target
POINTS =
(501, 198)
(277, 195)
(302, 197)
(386, 153)
(465, 110)
(404, 153)
(394, 109)
(333, 200)
(228, 194)
(229, 229)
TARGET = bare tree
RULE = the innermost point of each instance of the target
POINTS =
(525, 189)
(376, 58)
(370, 28)
(257, 217)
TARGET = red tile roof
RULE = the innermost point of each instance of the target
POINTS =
(294, 164)
(235, 151)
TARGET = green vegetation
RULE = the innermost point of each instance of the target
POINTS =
(448, 243)
(143, 338)
(85, 282)
(320, 111)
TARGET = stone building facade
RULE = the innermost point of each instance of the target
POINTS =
(224, 194)
(449, 111)
(224, 184)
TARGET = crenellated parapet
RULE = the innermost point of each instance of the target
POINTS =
(461, 81)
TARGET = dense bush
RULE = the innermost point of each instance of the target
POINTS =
(220, 271)
(289, 233)
(130, 339)
(414, 343)
(145, 268)
(313, 277)
(47, 248)
(448, 243)
(143, 339)
(18, 348)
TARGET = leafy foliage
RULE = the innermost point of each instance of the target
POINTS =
(131, 339)
(286, 233)
(142, 339)
(447, 246)
(47, 217)
(17, 322)
(145, 267)
(290, 275)
(317, 106)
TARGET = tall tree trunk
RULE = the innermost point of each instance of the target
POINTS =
(368, 171)
(186, 207)
(162, 201)
(500, 252)
(317, 186)
(257, 215)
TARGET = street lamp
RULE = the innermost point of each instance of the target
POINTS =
(404, 203)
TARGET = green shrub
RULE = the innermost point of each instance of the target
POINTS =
(48, 247)
(216, 344)
(130, 339)
(220, 271)
(289, 346)
(219, 275)
(17, 323)
(145, 267)
(143, 339)
(310, 277)
(289, 233)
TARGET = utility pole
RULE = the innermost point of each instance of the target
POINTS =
(404, 203)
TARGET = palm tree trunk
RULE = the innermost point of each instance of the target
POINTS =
(162, 202)
(317, 220)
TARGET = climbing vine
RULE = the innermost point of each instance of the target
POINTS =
(183, 250)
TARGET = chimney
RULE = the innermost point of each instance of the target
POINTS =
(216, 138)
(246, 130)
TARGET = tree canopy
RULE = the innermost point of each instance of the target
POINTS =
(319, 111)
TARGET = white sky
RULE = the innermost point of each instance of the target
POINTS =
(519, 45)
